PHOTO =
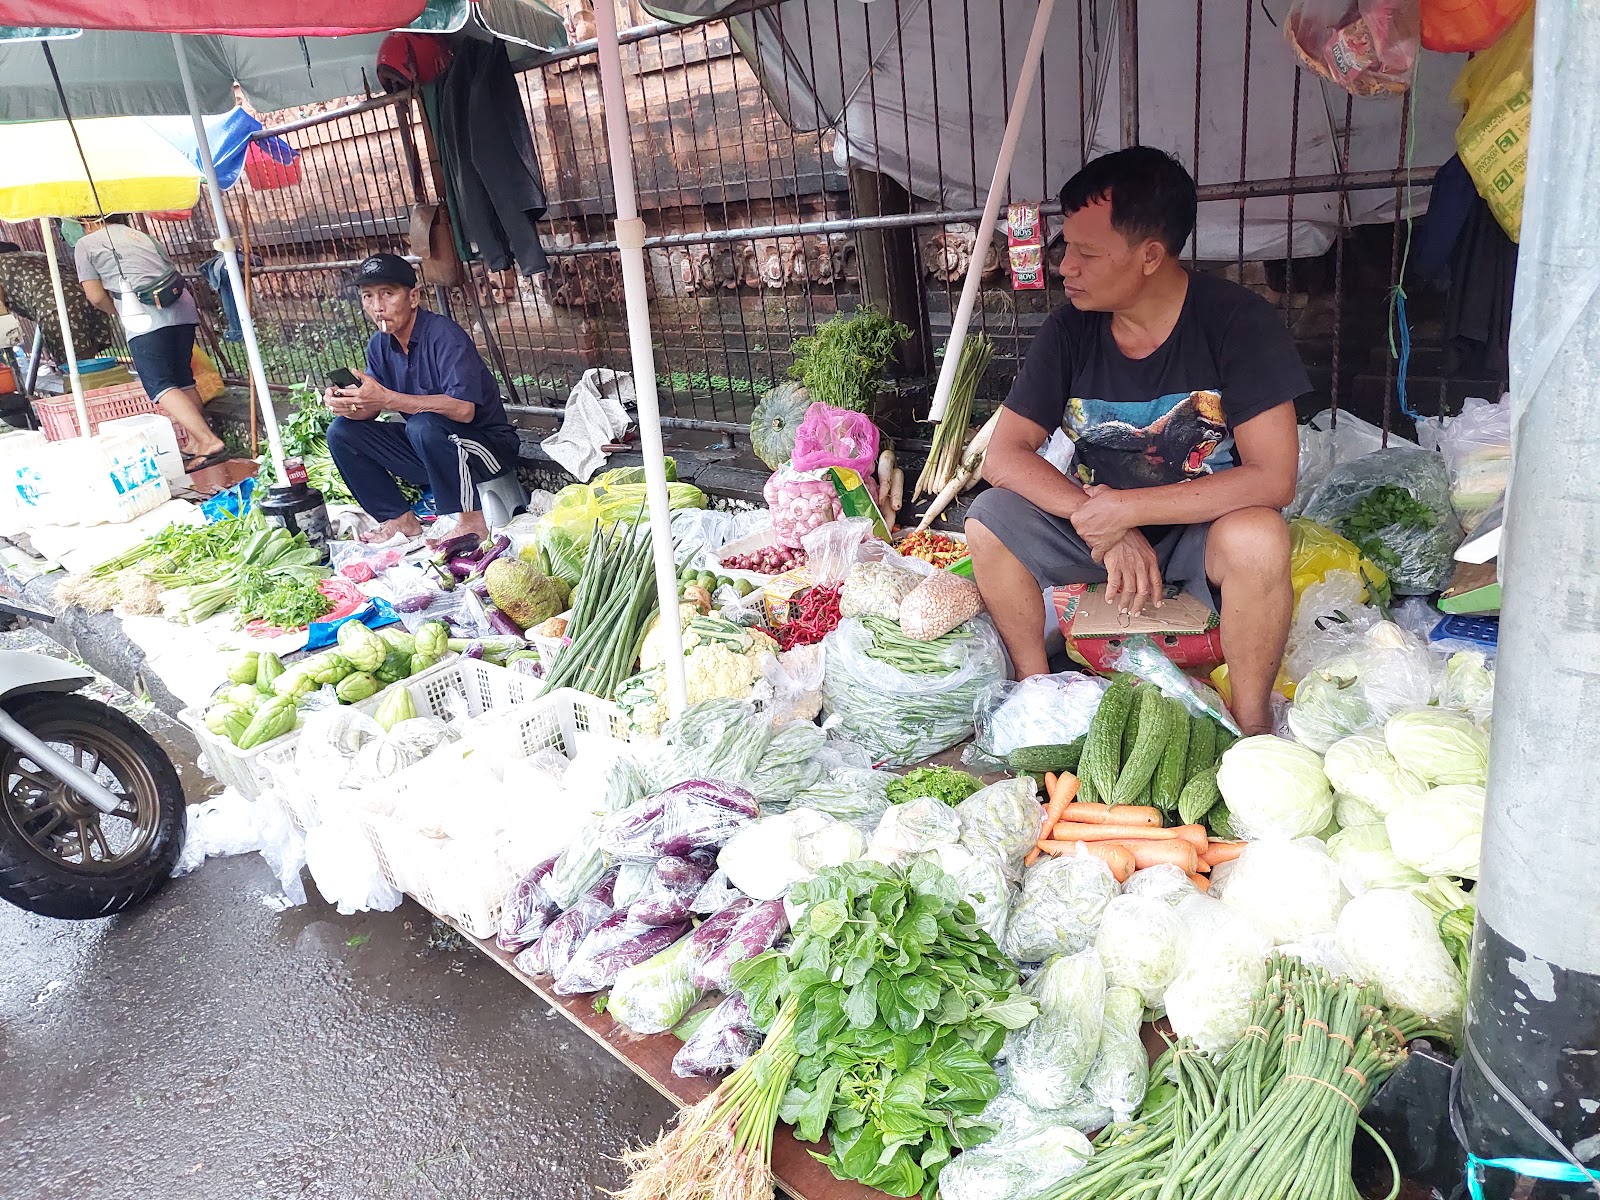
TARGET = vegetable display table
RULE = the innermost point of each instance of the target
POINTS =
(798, 1174)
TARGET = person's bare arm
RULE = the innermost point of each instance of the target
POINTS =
(99, 297)
(1013, 463)
(371, 392)
(1269, 452)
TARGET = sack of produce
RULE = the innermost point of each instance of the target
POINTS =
(790, 764)
(1330, 618)
(835, 437)
(1002, 821)
(1391, 938)
(858, 795)
(1142, 942)
(1122, 1071)
(908, 829)
(528, 909)
(1385, 671)
(1050, 1058)
(941, 602)
(714, 739)
(1394, 504)
(876, 589)
(1032, 1151)
(1059, 912)
(1290, 889)
(800, 502)
(724, 1040)
(905, 700)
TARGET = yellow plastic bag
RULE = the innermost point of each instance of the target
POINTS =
(1495, 90)
(207, 379)
(1314, 550)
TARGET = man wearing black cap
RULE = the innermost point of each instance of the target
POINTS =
(425, 367)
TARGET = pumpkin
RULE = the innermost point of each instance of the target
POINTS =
(776, 421)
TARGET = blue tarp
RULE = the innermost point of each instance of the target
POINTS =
(229, 136)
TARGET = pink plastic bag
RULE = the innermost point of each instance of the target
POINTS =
(1367, 47)
(835, 437)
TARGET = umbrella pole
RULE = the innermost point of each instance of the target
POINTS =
(630, 241)
(225, 243)
(49, 237)
(991, 210)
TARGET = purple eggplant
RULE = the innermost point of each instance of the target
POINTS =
(709, 935)
(562, 937)
(462, 545)
(528, 910)
(415, 602)
(669, 896)
(460, 567)
(724, 795)
(725, 1040)
(501, 623)
(489, 551)
(474, 650)
(630, 835)
(612, 949)
(758, 931)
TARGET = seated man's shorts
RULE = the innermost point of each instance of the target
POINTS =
(1054, 552)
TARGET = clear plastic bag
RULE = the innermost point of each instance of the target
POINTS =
(832, 549)
(608, 771)
(1142, 658)
(835, 437)
(1330, 617)
(941, 602)
(1122, 1071)
(613, 948)
(1390, 937)
(1042, 710)
(1290, 889)
(1418, 560)
(653, 996)
(908, 829)
(724, 1040)
(1049, 1059)
(579, 867)
(1142, 943)
(900, 717)
(858, 795)
(759, 929)
(668, 895)
(230, 824)
(1031, 1152)
(876, 589)
(1327, 440)
(1002, 821)
(1225, 969)
(695, 815)
(1387, 671)
(1059, 912)
(561, 938)
(796, 679)
(528, 909)
(716, 894)
(800, 501)
(980, 880)
(1165, 882)
(789, 765)
(764, 858)
(341, 860)
(715, 739)
(1367, 47)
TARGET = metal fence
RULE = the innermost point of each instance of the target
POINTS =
(757, 232)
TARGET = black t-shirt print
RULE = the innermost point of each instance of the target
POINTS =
(1168, 417)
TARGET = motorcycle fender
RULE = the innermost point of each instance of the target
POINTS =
(23, 671)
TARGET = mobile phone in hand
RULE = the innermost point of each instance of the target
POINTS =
(343, 377)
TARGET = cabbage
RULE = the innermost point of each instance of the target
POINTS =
(1440, 833)
(1274, 788)
(1389, 937)
(1469, 684)
(1002, 820)
(907, 829)
(1050, 1059)
(1387, 671)
(1141, 944)
(1059, 911)
(1330, 704)
(1226, 967)
(980, 880)
(1362, 768)
(1289, 889)
(1439, 747)
(1366, 861)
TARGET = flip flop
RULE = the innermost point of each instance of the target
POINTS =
(207, 460)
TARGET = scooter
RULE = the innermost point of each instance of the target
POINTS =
(91, 810)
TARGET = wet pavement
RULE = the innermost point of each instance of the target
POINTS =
(210, 1047)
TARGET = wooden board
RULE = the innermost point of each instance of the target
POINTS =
(649, 1057)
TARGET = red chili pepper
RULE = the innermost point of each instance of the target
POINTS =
(816, 615)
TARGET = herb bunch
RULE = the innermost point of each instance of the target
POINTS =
(843, 361)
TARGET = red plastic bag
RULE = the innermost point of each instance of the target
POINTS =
(835, 437)
(1455, 26)
(1367, 47)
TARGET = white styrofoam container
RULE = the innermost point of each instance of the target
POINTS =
(161, 433)
(107, 478)
(17, 449)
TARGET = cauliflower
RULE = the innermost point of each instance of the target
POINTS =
(721, 661)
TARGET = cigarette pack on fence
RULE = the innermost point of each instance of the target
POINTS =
(1186, 630)
(1025, 244)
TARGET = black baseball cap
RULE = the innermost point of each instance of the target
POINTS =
(386, 268)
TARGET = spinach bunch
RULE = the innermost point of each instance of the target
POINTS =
(900, 1003)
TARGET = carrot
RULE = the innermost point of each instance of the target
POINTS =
(1115, 855)
(1061, 789)
(1105, 814)
(1033, 857)
(1200, 882)
(1217, 853)
(1069, 831)
(1195, 835)
(1049, 783)
(1150, 854)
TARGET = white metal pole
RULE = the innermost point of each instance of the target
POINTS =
(991, 209)
(630, 241)
(49, 237)
(225, 243)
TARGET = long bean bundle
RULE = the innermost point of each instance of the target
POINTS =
(614, 602)
(1275, 1116)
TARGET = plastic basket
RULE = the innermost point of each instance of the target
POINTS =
(249, 771)
(58, 415)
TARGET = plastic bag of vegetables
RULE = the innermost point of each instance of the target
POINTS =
(1142, 943)
(1059, 912)
(1050, 1058)
(1366, 861)
(561, 938)
(1042, 710)
(1030, 1153)
(723, 1041)
(1390, 937)
(1164, 882)
(1002, 821)
(1290, 889)
(1122, 1071)
(903, 700)
(789, 765)
(875, 589)
(1225, 968)
(855, 794)
(653, 996)
(1388, 670)
(1274, 788)
(908, 829)
(980, 880)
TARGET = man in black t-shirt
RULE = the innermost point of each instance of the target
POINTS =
(1174, 392)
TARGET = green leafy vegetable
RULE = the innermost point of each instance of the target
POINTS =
(942, 783)
(842, 362)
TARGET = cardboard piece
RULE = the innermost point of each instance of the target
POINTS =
(1184, 628)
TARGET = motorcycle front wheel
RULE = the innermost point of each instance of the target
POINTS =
(60, 856)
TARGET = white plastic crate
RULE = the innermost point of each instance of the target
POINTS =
(246, 770)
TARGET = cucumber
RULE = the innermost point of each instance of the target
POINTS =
(1220, 821)
(1199, 795)
(1149, 741)
(1058, 757)
(1102, 748)
(1202, 746)
(1169, 777)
